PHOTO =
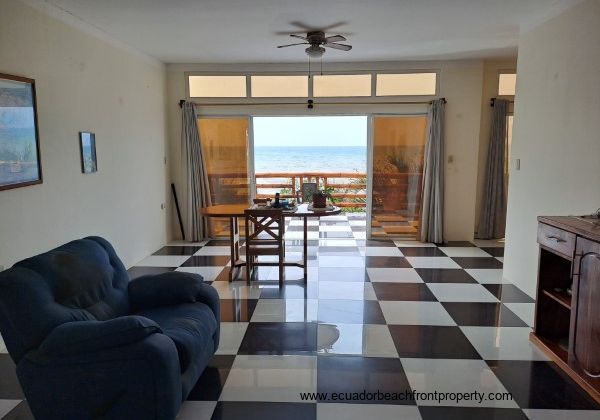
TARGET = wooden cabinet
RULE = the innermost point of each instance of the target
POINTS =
(567, 313)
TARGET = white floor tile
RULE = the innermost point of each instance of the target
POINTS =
(346, 290)
(394, 275)
(365, 340)
(196, 410)
(432, 262)
(444, 375)
(285, 310)
(461, 292)
(2, 346)
(341, 261)
(381, 251)
(360, 235)
(525, 311)
(7, 405)
(337, 242)
(503, 343)
(501, 259)
(209, 273)
(367, 411)
(214, 250)
(415, 313)
(163, 261)
(335, 228)
(270, 378)
(561, 414)
(236, 290)
(232, 334)
(357, 222)
(466, 251)
(487, 275)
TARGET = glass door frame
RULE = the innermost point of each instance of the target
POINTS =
(370, 156)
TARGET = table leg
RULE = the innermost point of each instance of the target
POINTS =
(234, 240)
(305, 249)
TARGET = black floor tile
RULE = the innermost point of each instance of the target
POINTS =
(444, 275)
(231, 410)
(10, 389)
(350, 311)
(206, 260)
(280, 338)
(494, 251)
(477, 262)
(342, 274)
(210, 384)
(387, 262)
(403, 291)
(432, 342)
(354, 374)
(237, 310)
(138, 271)
(218, 242)
(178, 250)
(482, 314)
(289, 291)
(541, 385)
(508, 293)
(425, 251)
(471, 413)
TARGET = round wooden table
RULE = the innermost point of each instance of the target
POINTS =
(234, 211)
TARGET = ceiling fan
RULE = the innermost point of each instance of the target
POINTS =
(318, 42)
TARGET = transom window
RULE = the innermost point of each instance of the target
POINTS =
(507, 84)
(406, 84)
(217, 86)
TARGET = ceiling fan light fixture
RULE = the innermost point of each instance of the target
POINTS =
(315, 51)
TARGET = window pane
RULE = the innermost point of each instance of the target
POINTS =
(217, 86)
(279, 86)
(342, 85)
(507, 84)
(406, 84)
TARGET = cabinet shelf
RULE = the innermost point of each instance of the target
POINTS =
(563, 298)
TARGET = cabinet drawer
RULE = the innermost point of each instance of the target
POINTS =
(556, 239)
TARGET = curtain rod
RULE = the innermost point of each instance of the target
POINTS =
(492, 100)
(310, 103)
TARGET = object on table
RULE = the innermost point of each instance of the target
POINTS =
(277, 203)
(308, 189)
(319, 200)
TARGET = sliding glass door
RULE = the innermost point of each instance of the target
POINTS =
(397, 152)
(225, 146)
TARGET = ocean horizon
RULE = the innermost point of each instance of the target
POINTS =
(310, 159)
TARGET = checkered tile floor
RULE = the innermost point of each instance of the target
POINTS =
(374, 315)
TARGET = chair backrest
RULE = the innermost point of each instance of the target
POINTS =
(81, 280)
(264, 227)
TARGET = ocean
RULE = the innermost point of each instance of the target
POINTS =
(310, 159)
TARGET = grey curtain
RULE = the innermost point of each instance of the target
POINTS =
(492, 218)
(432, 213)
(197, 190)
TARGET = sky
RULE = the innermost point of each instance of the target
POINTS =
(310, 131)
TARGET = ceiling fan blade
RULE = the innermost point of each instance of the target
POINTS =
(291, 45)
(342, 47)
(334, 38)
(298, 36)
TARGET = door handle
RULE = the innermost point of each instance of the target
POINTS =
(555, 238)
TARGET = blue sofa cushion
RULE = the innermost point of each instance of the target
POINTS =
(189, 325)
(164, 289)
(81, 337)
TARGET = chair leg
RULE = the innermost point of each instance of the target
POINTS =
(248, 268)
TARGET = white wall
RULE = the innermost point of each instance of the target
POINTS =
(85, 83)
(556, 132)
(460, 83)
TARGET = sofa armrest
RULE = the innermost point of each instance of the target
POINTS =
(170, 288)
(81, 337)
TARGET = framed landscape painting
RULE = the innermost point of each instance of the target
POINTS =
(20, 163)
(87, 143)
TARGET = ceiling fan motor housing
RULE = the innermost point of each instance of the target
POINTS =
(315, 51)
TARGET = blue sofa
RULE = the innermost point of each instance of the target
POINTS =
(90, 343)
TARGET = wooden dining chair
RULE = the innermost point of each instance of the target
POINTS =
(264, 236)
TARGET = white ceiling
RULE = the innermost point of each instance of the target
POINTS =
(247, 31)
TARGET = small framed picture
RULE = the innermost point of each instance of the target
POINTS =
(87, 144)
